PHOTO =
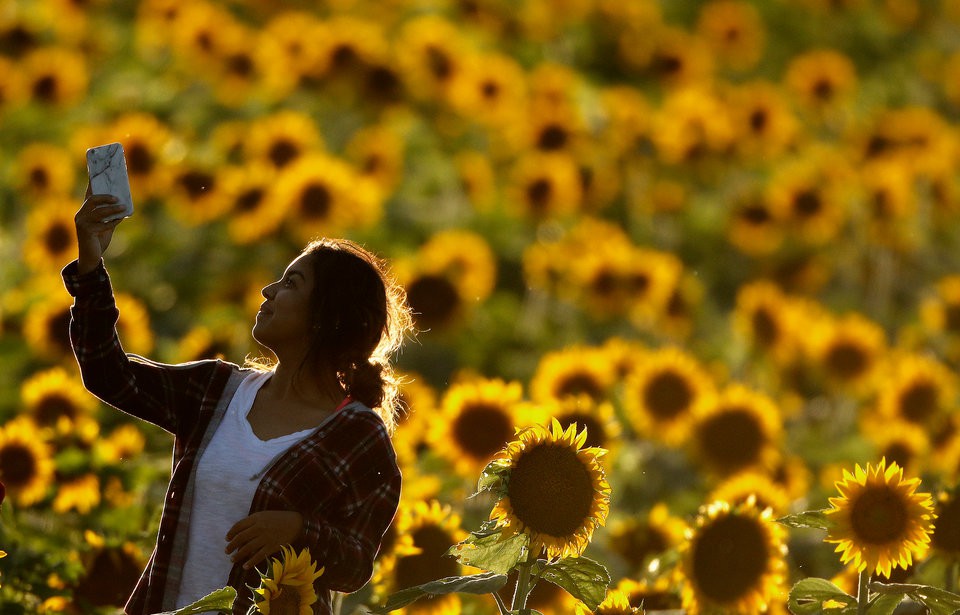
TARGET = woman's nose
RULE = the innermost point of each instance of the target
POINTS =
(267, 291)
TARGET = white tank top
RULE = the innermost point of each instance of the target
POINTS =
(227, 475)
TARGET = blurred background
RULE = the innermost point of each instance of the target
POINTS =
(722, 235)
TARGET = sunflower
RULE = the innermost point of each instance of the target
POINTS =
(251, 213)
(155, 22)
(465, 258)
(654, 286)
(133, 327)
(918, 389)
(544, 185)
(55, 76)
(723, 534)
(290, 39)
(237, 74)
(43, 170)
(491, 90)
(624, 118)
(765, 125)
(287, 585)
(46, 326)
(110, 572)
(479, 418)
(324, 195)
(51, 235)
(430, 54)
(916, 137)
(625, 355)
(598, 418)
(615, 603)
(53, 396)
(477, 178)
(821, 81)
(433, 528)
(808, 194)
(194, 196)
(12, 87)
(26, 462)
(197, 34)
(377, 152)
(890, 206)
(124, 443)
(764, 489)
(691, 123)
(281, 138)
(734, 31)
(571, 372)
(640, 538)
(940, 311)
(433, 296)
(348, 45)
(847, 351)
(659, 397)
(81, 494)
(735, 430)
(752, 225)
(880, 521)
(946, 534)
(902, 442)
(659, 594)
(678, 58)
(557, 492)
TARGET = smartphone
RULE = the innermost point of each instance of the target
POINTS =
(107, 169)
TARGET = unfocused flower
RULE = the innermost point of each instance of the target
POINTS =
(26, 463)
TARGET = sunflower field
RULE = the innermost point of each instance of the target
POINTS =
(723, 236)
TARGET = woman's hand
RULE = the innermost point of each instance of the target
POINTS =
(254, 538)
(93, 234)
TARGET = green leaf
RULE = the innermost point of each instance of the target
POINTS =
(491, 552)
(812, 518)
(815, 595)
(483, 583)
(583, 578)
(938, 601)
(219, 600)
(494, 477)
(884, 604)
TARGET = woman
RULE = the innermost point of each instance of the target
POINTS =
(262, 457)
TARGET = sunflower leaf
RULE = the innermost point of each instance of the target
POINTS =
(938, 601)
(884, 604)
(494, 478)
(812, 518)
(490, 552)
(816, 595)
(483, 583)
(220, 600)
(583, 578)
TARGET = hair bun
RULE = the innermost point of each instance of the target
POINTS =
(366, 383)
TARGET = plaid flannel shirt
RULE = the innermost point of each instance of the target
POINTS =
(343, 478)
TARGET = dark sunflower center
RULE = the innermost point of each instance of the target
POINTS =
(39, 178)
(759, 120)
(807, 204)
(879, 515)
(139, 159)
(755, 214)
(384, 84)
(240, 64)
(52, 407)
(248, 200)
(45, 88)
(490, 89)
(638, 545)
(58, 330)
(482, 429)
(731, 440)
(552, 137)
(439, 64)
(344, 56)
(282, 152)
(315, 201)
(952, 317)
(667, 395)
(579, 383)
(667, 65)
(286, 602)
(18, 466)
(539, 192)
(108, 582)
(595, 431)
(196, 183)
(551, 490)
(765, 329)
(918, 402)
(946, 532)
(57, 238)
(899, 453)
(430, 564)
(847, 361)
(433, 299)
(823, 90)
(729, 558)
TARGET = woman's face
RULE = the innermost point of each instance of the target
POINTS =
(284, 321)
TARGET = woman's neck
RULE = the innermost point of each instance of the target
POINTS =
(294, 385)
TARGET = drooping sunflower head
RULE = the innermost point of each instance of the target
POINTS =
(879, 520)
(638, 538)
(615, 603)
(946, 535)
(287, 585)
(725, 535)
(557, 492)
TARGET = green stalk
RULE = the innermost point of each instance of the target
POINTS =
(863, 592)
(953, 570)
(524, 586)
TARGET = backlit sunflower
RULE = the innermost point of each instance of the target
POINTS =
(765, 124)
(203, 343)
(251, 211)
(12, 87)
(81, 494)
(766, 319)
(133, 327)
(902, 442)
(679, 58)
(659, 594)
(110, 572)
(692, 123)
(766, 492)
(51, 240)
(479, 419)
(46, 326)
(237, 73)
(722, 535)
(557, 492)
(752, 225)
(807, 194)
(660, 396)
(430, 53)
(287, 585)
(880, 521)
(598, 418)
(124, 443)
(544, 185)
(847, 350)
(940, 311)
(914, 136)
(946, 534)
(889, 211)
(491, 89)
(821, 81)
(194, 196)
(282, 138)
(195, 37)
(433, 528)
(55, 76)
(477, 178)
(43, 170)
(625, 122)
(571, 372)
(324, 195)
(377, 152)
(290, 39)
(640, 538)
(54, 396)
(918, 389)
(654, 286)
(26, 462)
(615, 603)
(736, 430)
(734, 31)
(465, 258)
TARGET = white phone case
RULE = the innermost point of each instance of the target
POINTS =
(107, 169)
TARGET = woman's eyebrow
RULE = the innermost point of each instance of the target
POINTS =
(290, 274)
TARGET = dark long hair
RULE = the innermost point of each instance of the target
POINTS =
(360, 320)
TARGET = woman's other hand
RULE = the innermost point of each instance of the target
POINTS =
(93, 233)
(254, 538)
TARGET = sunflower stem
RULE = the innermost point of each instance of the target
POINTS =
(500, 605)
(863, 592)
(953, 570)
(523, 584)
